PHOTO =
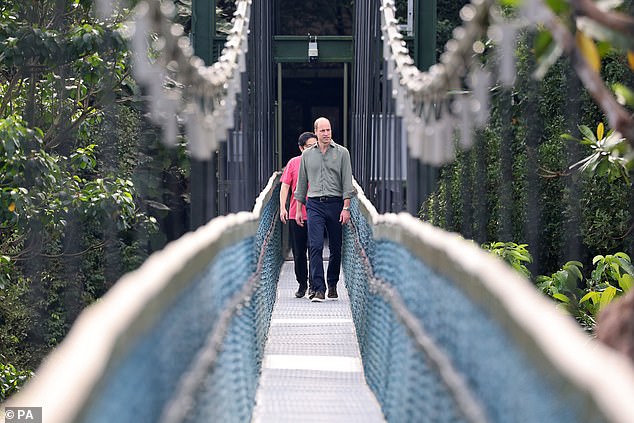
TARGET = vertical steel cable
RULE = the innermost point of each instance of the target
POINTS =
(506, 169)
(572, 246)
(376, 131)
(262, 134)
(383, 176)
(357, 140)
(480, 197)
(533, 203)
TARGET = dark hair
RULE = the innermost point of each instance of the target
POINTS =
(305, 136)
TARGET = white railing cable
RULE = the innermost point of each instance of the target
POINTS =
(181, 88)
(436, 101)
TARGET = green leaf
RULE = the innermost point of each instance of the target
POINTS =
(623, 255)
(562, 298)
(543, 279)
(590, 295)
(625, 282)
(568, 137)
(604, 48)
(558, 6)
(623, 94)
(560, 278)
(543, 40)
(587, 133)
(607, 296)
(602, 168)
(597, 274)
(576, 272)
(626, 265)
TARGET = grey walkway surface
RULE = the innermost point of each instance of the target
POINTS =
(312, 369)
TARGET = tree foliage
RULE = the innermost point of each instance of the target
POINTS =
(495, 194)
(612, 277)
(11, 379)
(71, 217)
(558, 182)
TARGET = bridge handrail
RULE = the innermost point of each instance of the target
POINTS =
(71, 377)
(552, 341)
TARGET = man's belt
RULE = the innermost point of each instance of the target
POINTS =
(325, 198)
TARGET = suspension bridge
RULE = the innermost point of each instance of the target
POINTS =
(428, 328)
(443, 332)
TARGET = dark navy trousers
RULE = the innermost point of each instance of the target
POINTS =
(299, 245)
(323, 214)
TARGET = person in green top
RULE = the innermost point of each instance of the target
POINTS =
(324, 183)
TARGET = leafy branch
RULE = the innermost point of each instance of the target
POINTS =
(584, 56)
(606, 159)
(616, 21)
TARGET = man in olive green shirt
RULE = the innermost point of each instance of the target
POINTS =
(325, 184)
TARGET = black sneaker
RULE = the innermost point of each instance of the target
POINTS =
(311, 294)
(332, 293)
(318, 297)
(301, 292)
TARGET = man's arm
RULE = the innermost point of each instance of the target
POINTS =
(300, 192)
(347, 187)
(302, 182)
(346, 177)
(283, 196)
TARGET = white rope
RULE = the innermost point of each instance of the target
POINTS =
(424, 99)
(179, 83)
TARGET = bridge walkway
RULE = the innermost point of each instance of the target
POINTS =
(312, 369)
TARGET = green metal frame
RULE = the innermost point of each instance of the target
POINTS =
(204, 29)
(203, 173)
(294, 49)
(425, 33)
(421, 179)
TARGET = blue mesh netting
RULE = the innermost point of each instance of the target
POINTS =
(139, 384)
(510, 387)
(229, 390)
